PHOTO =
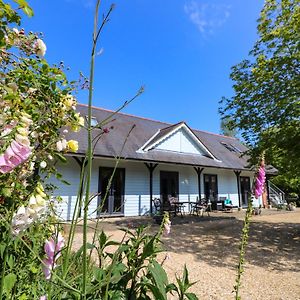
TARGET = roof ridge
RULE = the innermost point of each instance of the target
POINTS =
(212, 133)
(148, 119)
(173, 125)
(122, 113)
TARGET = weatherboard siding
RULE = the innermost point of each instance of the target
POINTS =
(137, 194)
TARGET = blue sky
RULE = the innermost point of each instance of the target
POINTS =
(180, 50)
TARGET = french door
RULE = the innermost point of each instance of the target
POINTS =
(111, 191)
(211, 187)
(245, 189)
(169, 185)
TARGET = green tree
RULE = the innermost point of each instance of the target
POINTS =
(226, 128)
(265, 106)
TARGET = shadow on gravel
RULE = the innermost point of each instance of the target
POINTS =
(215, 240)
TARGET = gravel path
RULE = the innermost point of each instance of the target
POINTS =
(209, 248)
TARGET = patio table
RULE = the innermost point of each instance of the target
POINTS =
(181, 205)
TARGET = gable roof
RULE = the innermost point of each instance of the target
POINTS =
(168, 131)
(110, 145)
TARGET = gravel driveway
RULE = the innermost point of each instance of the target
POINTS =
(209, 248)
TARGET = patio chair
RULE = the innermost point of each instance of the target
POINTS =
(200, 207)
(228, 206)
(157, 204)
(176, 206)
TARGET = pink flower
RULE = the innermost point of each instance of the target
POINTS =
(167, 227)
(260, 180)
(48, 265)
(49, 247)
(44, 297)
(15, 154)
(53, 251)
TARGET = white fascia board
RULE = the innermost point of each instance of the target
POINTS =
(197, 140)
(142, 150)
(161, 139)
(183, 125)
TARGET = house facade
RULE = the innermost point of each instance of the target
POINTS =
(151, 159)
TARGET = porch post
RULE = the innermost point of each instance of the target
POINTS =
(199, 171)
(237, 174)
(268, 191)
(151, 168)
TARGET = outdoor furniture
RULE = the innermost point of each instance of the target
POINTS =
(157, 204)
(200, 207)
(220, 203)
(228, 206)
(161, 207)
(177, 206)
(172, 206)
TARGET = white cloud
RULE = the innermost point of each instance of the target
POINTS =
(207, 16)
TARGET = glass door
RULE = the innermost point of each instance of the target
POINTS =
(169, 186)
(245, 189)
(111, 191)
(211, 187)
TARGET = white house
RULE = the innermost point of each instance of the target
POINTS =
(157, 160)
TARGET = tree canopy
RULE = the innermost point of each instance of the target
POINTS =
(225, 128)
(265, 106)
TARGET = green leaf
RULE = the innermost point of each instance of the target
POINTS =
(160, 277)
(171, 287)
(9, 282)
(33, 269)
(2, 249)
(149, 248)
(117, 273)
(28, 11)
(112, 243)
(25, 7)
(156, 292)
(88, 246)
(191, 296)
(102, 239)
(10, 261)
(60, 157)
(59, 77)
(185, 277)
(98, 274)
(23, 297)
(58, 175)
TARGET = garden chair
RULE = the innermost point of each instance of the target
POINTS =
(200, 207)
(157, 205)
(176, 206)
(167, 206)
(228, 206)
